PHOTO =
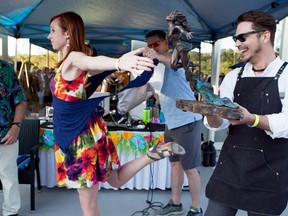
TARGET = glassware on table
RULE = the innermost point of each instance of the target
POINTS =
(146, 115)
(49, 112)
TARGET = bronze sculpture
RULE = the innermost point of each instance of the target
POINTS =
(180, 35)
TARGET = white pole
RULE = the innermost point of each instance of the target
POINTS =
(15, 58)
(4, 47)
(283, 53)
(216, 56)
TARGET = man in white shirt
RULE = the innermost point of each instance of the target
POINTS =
(252, 170)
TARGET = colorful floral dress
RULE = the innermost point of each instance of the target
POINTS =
(92, 155)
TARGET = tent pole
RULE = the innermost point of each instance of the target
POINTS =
(15, 56)
(283, 43)
(199, 53)
(216, 56)
(4, 47)
(200, 72)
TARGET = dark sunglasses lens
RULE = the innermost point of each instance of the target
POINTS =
(239, 37)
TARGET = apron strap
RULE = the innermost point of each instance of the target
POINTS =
(280, 71)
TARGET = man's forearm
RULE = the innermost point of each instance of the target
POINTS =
(20, 111)
(165, 59)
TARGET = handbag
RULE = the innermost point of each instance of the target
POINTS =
(132, 97)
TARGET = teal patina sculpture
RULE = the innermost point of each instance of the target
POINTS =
(209, 97)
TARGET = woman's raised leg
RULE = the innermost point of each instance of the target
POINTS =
(128, 170)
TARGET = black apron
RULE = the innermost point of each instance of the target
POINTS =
(252, 170)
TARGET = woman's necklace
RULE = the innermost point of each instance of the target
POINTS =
(258, 70)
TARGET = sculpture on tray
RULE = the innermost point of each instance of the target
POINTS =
(180, 34)
(209, 97)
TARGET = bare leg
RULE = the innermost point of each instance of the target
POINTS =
(177, 179)
(194, 182)
(127, 171)
(89, 200)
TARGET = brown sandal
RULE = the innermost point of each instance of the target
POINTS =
(176, 149)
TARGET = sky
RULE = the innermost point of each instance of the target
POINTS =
(226, 43)
(23, 47)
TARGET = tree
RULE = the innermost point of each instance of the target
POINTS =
(228, 58)
(38, 61)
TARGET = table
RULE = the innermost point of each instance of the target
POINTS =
(129, 145)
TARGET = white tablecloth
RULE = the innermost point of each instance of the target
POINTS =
(156, 175)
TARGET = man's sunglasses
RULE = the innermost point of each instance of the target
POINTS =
(154, 44)
(242, 37)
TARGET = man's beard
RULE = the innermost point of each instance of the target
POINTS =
(252, 57)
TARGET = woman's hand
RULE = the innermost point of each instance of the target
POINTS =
(134, 63)
(164, 58)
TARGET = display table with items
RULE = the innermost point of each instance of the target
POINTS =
(130, 144)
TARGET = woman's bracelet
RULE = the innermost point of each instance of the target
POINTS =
(117, 64)
(256, 122)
